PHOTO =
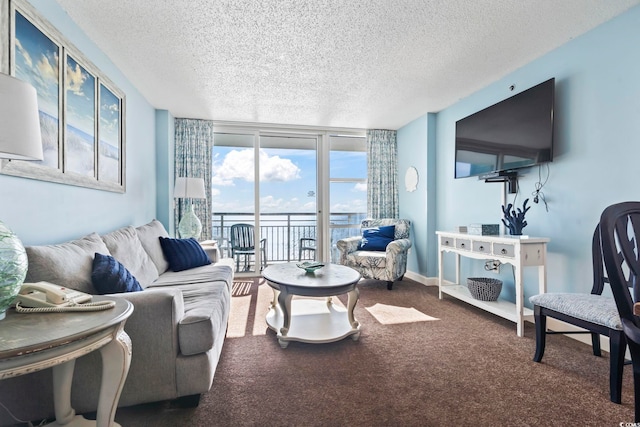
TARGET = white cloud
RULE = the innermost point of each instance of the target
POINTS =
(48, 71)
(270, 202)
(75, 79)
(235, 165)
(24, 53)
(275, 168)
(361, 186)
(239, 164)
(278, 204)
(356, 205)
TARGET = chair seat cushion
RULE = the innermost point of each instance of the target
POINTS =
(591, 308)
(375, 259)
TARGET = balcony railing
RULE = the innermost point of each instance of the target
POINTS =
(283, 231)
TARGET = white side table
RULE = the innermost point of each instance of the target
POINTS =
(33, 342)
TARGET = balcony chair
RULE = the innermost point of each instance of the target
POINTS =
(373, 261)
(594, 312)
(307, 244)
(620, 234)
(242, 243)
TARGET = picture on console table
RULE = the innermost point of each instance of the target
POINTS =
(81, 110)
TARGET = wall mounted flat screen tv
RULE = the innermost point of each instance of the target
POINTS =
(512, 134)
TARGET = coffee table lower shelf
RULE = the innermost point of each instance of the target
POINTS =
(313, 321)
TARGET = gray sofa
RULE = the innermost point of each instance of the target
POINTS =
(177, 327)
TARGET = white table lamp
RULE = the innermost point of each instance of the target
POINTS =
(19, 139)
(189, 188)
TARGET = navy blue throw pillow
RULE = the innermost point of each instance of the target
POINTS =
(377, 239)
(111, 277)
(183, 254)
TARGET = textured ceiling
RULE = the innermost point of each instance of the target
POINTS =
(336, 63)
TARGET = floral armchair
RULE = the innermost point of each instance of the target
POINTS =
(388, 264)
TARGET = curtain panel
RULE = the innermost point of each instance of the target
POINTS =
(193, 150)
(382, 174)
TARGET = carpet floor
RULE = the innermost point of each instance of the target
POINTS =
(420, 361)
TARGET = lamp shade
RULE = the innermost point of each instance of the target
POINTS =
(189, 188)
(20, 136)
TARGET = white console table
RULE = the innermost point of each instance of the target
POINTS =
(519, 251)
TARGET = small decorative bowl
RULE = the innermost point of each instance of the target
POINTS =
(310, 266)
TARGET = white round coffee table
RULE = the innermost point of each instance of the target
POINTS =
(312, 320)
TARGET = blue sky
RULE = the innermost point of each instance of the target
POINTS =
(287, 181)
(81, 96)
(109, 117)
(37, 62)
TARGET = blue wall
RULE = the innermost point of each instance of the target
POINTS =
(415, 205)
(42, 212)
(597, 114)
(165, 167)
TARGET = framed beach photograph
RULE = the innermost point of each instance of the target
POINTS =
(80, 119)
(81, 110)
(35, 61)
(109, 129)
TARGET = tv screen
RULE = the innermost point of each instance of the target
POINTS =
(512, 134)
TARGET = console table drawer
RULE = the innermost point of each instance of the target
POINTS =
(482, 247)
(504, 250)
(446, 241)
(463, 244)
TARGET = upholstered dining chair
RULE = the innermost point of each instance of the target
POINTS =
(620, 233)
(380, 253)
(242, 244)
(594, 312)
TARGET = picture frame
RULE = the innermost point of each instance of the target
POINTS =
(82, 112)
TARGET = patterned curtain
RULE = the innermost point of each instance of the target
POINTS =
(194, 144)
(382, 175)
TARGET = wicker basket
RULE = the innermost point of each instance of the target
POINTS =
(484, 288)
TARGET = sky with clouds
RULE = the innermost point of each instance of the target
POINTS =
(37, 62)
(287, 180)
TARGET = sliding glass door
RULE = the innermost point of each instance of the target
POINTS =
(307, 183)
(234, 199)
(288, 191)
(347, 188)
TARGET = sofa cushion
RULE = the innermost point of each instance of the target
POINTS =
(148, 235)
(111, 277)
(125, 246)
(183, 254)
(206, 308)
(376, 239)
(68, 264)
(222, 270)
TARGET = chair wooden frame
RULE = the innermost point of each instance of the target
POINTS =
(620, 234)
(617, 340)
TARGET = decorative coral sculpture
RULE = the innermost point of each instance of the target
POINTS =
(515, 222)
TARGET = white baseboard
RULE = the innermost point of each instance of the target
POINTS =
(427, 281)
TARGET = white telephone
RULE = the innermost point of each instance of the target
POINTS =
(43, 297)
